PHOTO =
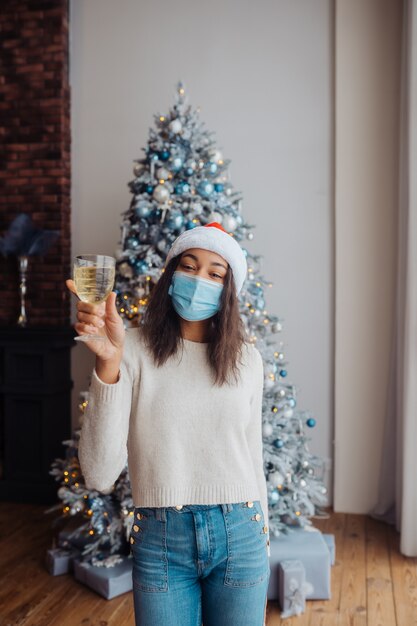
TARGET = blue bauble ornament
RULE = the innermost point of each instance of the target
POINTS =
(143, 209)
(205, 188)
(164, 155)
(154, 156)
(190, 224)
(189, 171)
(283, 373)
(311, 422)
(292, 402)
(274, 496)
(278, 443)
(131, 243)
(182, 187)
(176, 163)
(219, 187)
(149, 189)
(140, 267)
(212, 167)
(175, 220)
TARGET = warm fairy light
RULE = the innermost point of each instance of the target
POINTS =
(298, 512)
(279, 486)
(148, 278)
(66, 473)
(161, 180)
(162, 118)
(258, 284)
(250, 269)
(130, 512)
(195, 220)
(76, 484)
(74, 474)
(66, 509)
(275, 409)
(91, 532)
(252, 310)
(125, 297)
(162, 270)
(122, 310)
(105, 514)
(271, 376)
(220, 161)
(182, 91)
(89, 512)
(66, 480)
(276, 354)
(170, 202)
(266, 321)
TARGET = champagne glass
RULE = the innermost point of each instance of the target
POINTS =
(94, 279)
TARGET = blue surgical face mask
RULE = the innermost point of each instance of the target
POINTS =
(194, 298)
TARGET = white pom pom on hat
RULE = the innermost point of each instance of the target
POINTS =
(215, 238)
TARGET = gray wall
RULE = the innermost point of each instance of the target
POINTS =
(261, 73)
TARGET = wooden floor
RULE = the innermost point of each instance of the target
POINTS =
(372, 583)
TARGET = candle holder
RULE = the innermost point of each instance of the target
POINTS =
(23, 267)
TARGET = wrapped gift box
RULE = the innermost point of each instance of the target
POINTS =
(109, 582)
(291, 587)
(309, 547)
(60, 561)
(329, 539)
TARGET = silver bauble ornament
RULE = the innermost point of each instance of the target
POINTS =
(175, 126)
(162, 172)
(229, 223)
(215, 217)
(160, 194)
(125, 270)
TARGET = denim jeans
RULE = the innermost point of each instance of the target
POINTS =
(201, 563)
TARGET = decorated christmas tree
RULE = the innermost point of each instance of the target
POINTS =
(181, 182)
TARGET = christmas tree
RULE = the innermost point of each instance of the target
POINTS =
(183, 182)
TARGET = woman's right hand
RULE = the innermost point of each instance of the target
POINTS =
(101, 319)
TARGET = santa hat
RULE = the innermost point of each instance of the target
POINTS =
(215, 238)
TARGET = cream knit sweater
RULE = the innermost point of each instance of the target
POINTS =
(186, 441)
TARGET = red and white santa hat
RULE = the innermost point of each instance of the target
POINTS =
(215, 238)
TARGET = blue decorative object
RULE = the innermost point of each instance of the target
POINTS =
(149, 189)
(211, 167)
(278, 443)
(23, 238)
(205, 188)
(274, 496)
(176, 163)
(292, 402)
(140, 266)
(219, 187)
(132, 242)
(190, 224)
(311, 422)
(175, 220)
(189, 171)
(182, 187)
(164, 155)
(283, 373)
(143, 209)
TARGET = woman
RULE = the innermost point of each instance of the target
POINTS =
(180, 398)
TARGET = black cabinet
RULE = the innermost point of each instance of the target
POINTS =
(35, 410)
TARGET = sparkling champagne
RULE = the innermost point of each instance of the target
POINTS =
(94, 283)
(94, 279)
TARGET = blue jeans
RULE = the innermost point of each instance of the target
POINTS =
(201, 563)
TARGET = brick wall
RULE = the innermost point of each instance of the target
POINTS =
(35, 151)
